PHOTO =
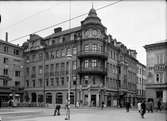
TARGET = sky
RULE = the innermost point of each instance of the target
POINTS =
(134, 23)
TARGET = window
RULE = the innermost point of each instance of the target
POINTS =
(40, 82)
(40, 56)
(94, 81)
(17, 83)
(17, 73)
(57, 81)
(47, 82)
(86, 63)
(63, 52)
(99, 47)
(51, 67)
(68, 51)
(40, 69)
(5, 82)
(52, 82)
(94, 63)
(51, 55)
(57, 67)
(33, 69)
(27, 83)
(5, 71)
(57, 53)
(74, 51)
(158, 77)
(86, 47)
(74, 80)
(16, 52)
(27, 71)
(33, 57)
(74, 65)
(49, 98)
(33, 83)
(159, 94)
(62, 81)
(62, 66)
(59, 98)
(86, 79)
(94, 47)
(5, 49)
(5, 60)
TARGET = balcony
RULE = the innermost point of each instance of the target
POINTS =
(99, 70)
(98, 54)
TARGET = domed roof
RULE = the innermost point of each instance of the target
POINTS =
(92, 12)
(92, 17)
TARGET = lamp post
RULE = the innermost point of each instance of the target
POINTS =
(69, 56)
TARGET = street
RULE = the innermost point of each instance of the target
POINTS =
(84, 114)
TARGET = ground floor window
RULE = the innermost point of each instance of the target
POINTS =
(71, 98)
(59, 98)
(159, 94)
(49, 98)
(40, 98)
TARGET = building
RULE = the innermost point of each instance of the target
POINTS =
(101, 69)
(11, 70)
(156, 87)
(142, 78)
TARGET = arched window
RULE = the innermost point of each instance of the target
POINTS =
(49, 98)
(59, 98)
(71, 97)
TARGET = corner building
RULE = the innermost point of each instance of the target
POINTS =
(156, 86)
(101, 69)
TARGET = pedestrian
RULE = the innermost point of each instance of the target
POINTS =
(159, 105)
(127, 106)
(143, 109)
(57, 110)
(77, 104)
(139, 106)
(150, 106)
(67, 108)
(102, 105)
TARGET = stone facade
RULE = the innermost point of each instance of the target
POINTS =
(11, 70)
(156, 87)
(101, 69)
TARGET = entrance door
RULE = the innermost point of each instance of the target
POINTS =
(93, 100)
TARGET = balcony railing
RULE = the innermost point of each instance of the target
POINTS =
(92, 70)
(99, 54)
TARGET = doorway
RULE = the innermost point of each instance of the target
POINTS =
(93, 100)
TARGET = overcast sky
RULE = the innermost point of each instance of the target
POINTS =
(135, 24)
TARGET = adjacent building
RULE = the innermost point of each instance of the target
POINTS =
(142, 78)
(101, 69)
(156, 87)
(11, 70)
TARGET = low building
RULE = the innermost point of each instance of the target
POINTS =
(11, 70)
(156, 87)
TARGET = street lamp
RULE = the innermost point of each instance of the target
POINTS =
(69, 56)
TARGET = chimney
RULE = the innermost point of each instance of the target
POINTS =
(6, 37)
(56, 30)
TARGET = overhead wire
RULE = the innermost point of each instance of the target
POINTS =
(51, 26)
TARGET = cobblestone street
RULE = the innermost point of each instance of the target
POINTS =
(85, 114)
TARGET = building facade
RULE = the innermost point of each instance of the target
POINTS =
(156, 87)
(11, 70)
(142, 78)
(101, 69)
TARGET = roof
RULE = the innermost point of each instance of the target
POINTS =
(63, 32)
(157, 44)
(10, 44)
